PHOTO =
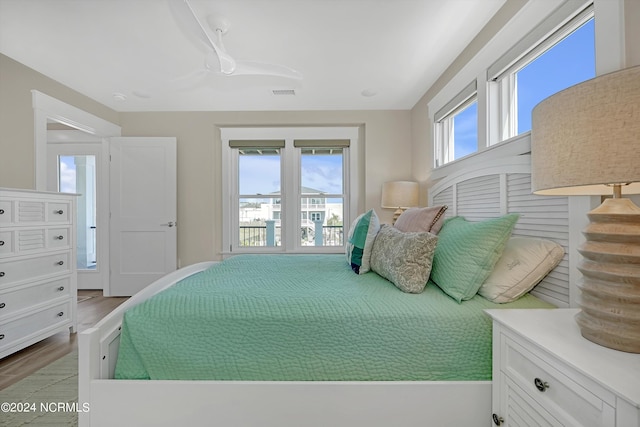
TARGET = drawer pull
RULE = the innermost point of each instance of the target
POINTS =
(61, 288)
(1, 211)
(1, 273)
(59, 212)
(1, 336)
(540, 385)
(60, 263)
(497, 420)
(59, 237)
(2, 305)
(1, 242)
(61, 314)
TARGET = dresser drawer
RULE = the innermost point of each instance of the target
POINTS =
(6, 211)
(6, 242)
(22, 240)
(566, 400)
(58, 212)
(25, 327)
(58, 237)
(14, 300)
(32, 212)
(25, 268)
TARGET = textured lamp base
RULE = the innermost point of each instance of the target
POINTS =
(610, 285)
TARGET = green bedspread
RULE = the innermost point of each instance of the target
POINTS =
(305, 317)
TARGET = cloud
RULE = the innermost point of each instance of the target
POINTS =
(67, 175)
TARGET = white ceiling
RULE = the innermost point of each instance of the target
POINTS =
(394, 49)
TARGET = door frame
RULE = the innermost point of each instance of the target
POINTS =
(48, 109)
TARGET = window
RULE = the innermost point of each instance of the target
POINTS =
(290, 194)
(456, 127)
(565, 58)
(559, 52)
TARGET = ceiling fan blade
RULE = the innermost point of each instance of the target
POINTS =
(265, 69)
(190, 25)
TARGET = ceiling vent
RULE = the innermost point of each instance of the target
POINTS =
(283, 91)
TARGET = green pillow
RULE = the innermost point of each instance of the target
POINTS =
(360, 240)
(467, 252)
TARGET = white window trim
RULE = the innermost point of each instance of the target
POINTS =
(289, 183)
(610, 37)
(502, 74)
(443, 126)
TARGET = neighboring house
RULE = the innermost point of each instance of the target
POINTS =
(320, 219)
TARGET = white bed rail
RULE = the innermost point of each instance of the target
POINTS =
(98, 346)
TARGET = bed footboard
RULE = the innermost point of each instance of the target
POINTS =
(289, 404)
(98, 346)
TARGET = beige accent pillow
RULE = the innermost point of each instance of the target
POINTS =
(421, 219)
(403, 258)
(525, 261)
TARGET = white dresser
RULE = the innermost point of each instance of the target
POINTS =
(38, 293)
(546, 374)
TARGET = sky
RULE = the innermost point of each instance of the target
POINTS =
(569, 62)
(261, 174)
(67, 174)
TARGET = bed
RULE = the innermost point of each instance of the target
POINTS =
(373, 386)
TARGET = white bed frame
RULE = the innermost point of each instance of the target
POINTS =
(489, 190)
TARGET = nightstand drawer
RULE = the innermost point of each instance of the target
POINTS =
(25, 327)
(522, 410)
(14, 300)
(566, 400)
(24, 268)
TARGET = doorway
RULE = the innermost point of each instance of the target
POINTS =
(78, 165)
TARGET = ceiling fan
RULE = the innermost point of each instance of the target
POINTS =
(218, 60)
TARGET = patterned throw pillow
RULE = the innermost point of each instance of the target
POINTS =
(403, 258)
(362, 233)
(467, 252)
(421, 219)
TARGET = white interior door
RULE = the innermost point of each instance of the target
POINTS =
(143, 222)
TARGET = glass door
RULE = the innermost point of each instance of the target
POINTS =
(77, 174)
(79, 167)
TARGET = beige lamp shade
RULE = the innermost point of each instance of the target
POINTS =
(587, 136)
(400, 194)
(581, 139)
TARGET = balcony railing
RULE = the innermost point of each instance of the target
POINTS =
(269, 235)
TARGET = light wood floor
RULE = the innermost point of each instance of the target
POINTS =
(92, 307)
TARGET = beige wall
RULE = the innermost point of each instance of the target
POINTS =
(385, 151)
(386, 155)
(16, 118)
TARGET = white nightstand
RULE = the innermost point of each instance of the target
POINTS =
(546, 374)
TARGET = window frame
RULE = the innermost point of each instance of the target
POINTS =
(532, 28)
(502, 82)
(443, 125)
(291, 189)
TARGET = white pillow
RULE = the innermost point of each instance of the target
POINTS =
(523, 264)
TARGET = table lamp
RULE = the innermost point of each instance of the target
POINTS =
(585, 140)
(399, 195)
